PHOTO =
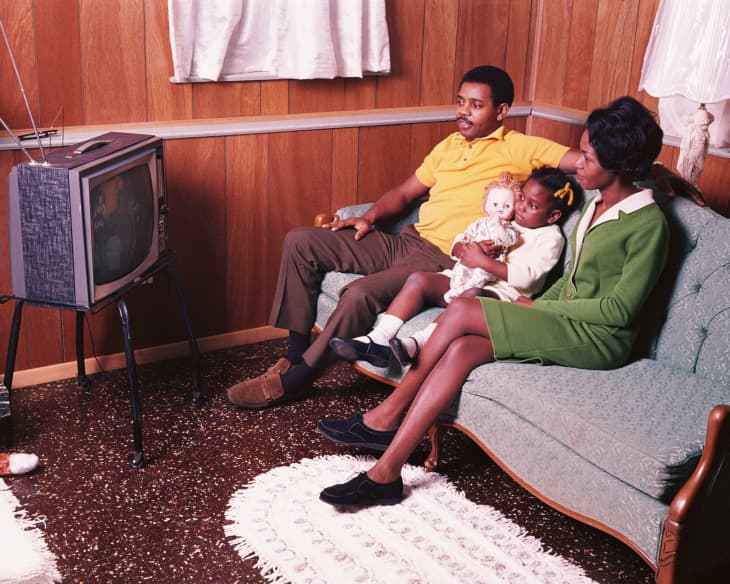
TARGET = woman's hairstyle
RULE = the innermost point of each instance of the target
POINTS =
(503, 91)
(504, 181)
(626, 138)
(565, 194)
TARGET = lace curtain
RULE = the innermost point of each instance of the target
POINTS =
(229, 40)
(687, 62)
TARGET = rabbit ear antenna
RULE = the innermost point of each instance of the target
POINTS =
(25, 97)
(12, 134)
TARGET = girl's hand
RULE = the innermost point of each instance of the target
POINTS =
(491, 248)
(472, 255)
(524, 300)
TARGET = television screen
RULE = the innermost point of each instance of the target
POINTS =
(122, 220)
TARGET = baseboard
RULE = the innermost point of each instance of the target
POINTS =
(67, 370)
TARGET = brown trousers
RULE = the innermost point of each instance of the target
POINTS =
(386, 260)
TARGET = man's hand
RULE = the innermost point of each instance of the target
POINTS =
(674, 185)
(362, 226)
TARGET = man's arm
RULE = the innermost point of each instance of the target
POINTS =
(666, 180)
(391, 203)
(569, 160)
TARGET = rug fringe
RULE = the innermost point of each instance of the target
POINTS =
(267, 520)
(43, 569)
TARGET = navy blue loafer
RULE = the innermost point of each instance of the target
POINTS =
(352, 431)
(352, 350)
(363, 492)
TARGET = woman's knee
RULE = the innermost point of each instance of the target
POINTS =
(472, 293)
(463, 315)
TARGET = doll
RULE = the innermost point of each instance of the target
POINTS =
(499, 201)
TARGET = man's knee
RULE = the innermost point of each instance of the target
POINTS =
(362, 297)
(301, 238)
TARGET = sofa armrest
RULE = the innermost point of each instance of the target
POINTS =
(696, 539)
(357, 210)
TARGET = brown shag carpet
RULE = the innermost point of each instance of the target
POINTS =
(107, 522)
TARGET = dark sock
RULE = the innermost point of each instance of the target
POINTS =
(296, 377)
(298, 343)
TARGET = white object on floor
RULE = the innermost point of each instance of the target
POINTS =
(24, 555)
(435, 535)
(21, 463)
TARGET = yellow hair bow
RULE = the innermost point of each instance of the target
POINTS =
(567, 190)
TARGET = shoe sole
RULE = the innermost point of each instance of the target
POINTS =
(368, 445)
(362, 503)
(285, 399)
(400, 353)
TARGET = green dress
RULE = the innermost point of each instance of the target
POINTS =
(588, 318)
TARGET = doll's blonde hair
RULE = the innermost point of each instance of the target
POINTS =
(505, 180)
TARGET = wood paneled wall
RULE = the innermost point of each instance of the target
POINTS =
(233, 198)
(107, 61)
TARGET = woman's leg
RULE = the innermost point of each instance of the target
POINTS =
(464, 316)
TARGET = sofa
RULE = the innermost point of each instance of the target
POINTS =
(641, 452)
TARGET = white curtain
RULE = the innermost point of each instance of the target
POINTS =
(687, 62)
(220, 40)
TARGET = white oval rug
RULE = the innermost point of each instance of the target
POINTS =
(24, 555)
(435, 535)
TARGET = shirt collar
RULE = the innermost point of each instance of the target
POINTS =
(497, 134)
(628, 205)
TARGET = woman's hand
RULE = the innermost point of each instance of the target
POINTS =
(362, 226)
(524, 300)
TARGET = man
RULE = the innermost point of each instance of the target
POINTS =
(453, 175)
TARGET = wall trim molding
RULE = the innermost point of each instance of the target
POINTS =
(239, 126)
(175, 350)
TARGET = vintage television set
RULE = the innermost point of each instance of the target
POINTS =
(88, 221)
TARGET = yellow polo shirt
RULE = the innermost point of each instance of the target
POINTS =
(457, 170)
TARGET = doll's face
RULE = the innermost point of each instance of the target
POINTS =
(500, 203)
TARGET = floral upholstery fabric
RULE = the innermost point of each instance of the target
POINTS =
(613, 446)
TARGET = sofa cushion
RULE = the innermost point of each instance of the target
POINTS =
(644, 423)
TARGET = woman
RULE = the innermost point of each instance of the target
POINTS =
(587, 319)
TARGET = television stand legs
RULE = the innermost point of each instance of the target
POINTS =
(196, 399)
(81, 377)
(136, 459)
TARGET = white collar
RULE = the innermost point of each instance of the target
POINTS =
(628, 205)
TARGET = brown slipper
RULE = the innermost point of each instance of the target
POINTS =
(261, 392)
(281, 366)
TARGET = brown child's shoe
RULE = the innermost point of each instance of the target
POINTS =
(261, 392)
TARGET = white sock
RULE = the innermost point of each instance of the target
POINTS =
(414, 343)
(384, 330)
(20, 463)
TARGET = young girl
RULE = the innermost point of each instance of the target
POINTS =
(540, 204)
(587, 319)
